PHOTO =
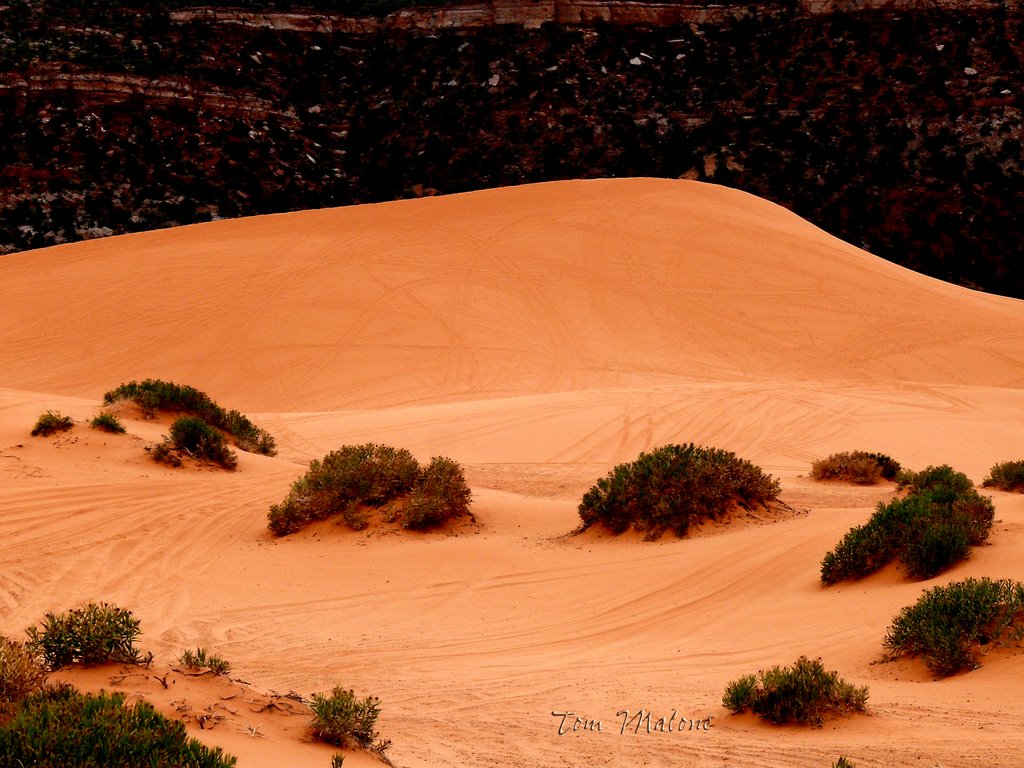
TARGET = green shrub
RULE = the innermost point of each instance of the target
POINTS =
(1006, 476)
(163, 453)
(108, 422)
(153, 395)
(741, 693)
(943, 479)
(345, 720)
(857, 467)
(94, 634)
(62, 727)
(804, 693)
(929, 530)
(201, 659)
(936, 547)
(439, 495)
(192, 435)
(673, 487)
(842, 762)
(861, 552)
(21, 671)
(948, 625)
(50, 423)
(354, 477)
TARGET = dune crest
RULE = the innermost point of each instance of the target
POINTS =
(536, 289)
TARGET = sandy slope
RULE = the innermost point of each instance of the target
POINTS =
(537, 335)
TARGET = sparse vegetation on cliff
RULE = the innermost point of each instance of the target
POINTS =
(899, 132)
(674, 487)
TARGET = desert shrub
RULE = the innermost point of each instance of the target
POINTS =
(201, 659)
(1006, 476)
(804, 693)
(948, 625)
(862, 551)
(50, 423)
(108, 422)
(248, 436)
(346, 481)
(943, 480)
(163, 453)
(673, 487)
(21, 671)
(343, 719)
(843, 762)
(439, 495)
(61, 727)
(975, 513)
(93, 634)
(192, 435)
(153, 395)
(889, 467)
(857, 467)
(740, 694)
(929, 530)
(936, 547)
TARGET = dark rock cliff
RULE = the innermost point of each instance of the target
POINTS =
(894, 124)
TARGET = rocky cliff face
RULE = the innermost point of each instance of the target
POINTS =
(895, 124)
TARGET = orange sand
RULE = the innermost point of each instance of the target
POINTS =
(537, 335)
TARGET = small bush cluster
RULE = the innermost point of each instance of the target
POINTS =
(804, 693)
(164, 453)
(50, 423)
(201, 659)
(21, 671)
(107, 422)
(857, 467)
(153, 395)
(673, 487)
(843, 762)
(93, 634)
(59, 726)
(345, 720)
(193, 436)
(354, 477)
(943, 479)
(1006, 476)
(440, 494)
(44, 725)
(949, 625)
(929, 530)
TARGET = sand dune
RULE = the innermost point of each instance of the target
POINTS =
(538, 335)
